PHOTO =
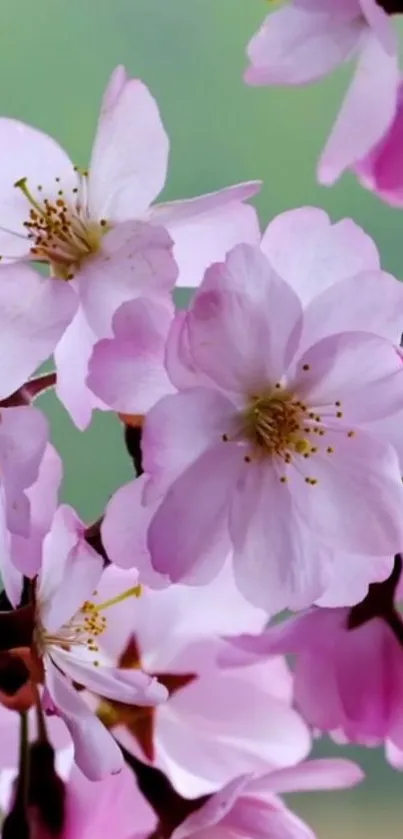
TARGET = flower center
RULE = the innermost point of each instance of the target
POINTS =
(61, 232)
(277, 424)
(84, 628)
(272, 423)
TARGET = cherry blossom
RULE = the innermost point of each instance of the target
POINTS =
(348, 671)
(282, 424)
(307, 39)
(67, 626)
(250, 806)
(174, 635)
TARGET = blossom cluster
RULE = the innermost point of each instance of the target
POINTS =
(145, 689)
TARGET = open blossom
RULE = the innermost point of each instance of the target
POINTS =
(307, 39)
(332, 268)
(250, 807)
(348, 666)
(175, 635)
(98, 234)
(262, 436)
(76, 220)
(67, 624)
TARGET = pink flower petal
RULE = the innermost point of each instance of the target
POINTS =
(362, 467)
(133, 687)
(296, 45)
(72, 357)
(358, 369)
(114, 88)
(326, 773)
(11, 577)
(178, 358)
(127, 372)
(205, 228)
(227, 328)
(312, 254)
(351, 578)
(96, 753)
(380, 23)
(370, 301)
(34, 313)
(43, 499)
(257, 818)
(70, 570)
(135, 261)
(273, 735)
(370, 101)
(294, 570)
(381, 170)
(130, 154)
(172, 213)
(179, 429)
(124, 532)
(27, 153)
(111, 807)
(23, 437)
(198, 540)
(213, 811)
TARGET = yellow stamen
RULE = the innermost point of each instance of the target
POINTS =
(22, 185)
(131, 592)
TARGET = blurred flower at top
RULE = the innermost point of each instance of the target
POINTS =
(381, 171)
(305, 40)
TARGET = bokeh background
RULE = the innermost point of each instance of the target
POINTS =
(55, 59)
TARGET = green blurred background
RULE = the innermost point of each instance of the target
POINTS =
(55, 59)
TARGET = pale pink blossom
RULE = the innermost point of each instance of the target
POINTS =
(335, 271)
(98, 230)
(348, 668)
(67, 626)
(267, 449)
(308, 39)
(250, 806)
(381, 170)
(216, 723)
